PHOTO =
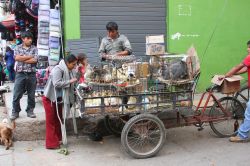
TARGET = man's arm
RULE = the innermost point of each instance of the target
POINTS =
(238, 69)
(102, 51)
(21, 58)
(243, 70)
(31, 61)
(34, 58)
(123, 53)
(126, 46)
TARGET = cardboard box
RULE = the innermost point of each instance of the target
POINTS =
(142, 70)
(155, 45)
(228, 85)
(193, 62)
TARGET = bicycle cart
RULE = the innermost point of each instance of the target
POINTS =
(141, 110)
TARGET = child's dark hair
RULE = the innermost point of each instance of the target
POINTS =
(26, 34)
(70, 58)
(81, 56)
(8, 49)
(111, 26)
(248, 43)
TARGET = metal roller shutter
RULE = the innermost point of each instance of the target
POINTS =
(135, 18)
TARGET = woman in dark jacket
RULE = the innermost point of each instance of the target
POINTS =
(10, 63)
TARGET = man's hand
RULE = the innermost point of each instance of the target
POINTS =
(73, 80)
(221, 78)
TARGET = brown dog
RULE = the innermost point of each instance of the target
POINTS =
(6, 133)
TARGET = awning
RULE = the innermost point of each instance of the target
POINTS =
(9, 21)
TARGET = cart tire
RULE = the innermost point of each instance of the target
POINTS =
(114, 126)
(227, 128)
(143, 136)
(243, 95)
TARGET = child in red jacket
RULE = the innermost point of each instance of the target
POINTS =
(81, 68)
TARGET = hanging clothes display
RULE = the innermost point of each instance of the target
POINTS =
(54, 36)
(43, 28)
(25, 18)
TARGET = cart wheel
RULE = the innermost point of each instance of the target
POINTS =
(143, 136)
(114, 125)
(226, 127)
(243, 95)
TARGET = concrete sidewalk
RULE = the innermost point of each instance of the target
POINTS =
(28, 129)
(184, 146)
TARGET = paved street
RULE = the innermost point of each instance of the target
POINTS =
(184, 147)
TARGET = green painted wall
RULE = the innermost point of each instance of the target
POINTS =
(71, 9)
(219, 29)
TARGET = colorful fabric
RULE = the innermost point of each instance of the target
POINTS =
(43, 24)
(43, 19)
(54, 39)
(54, 13)
(43, 41)
(55, 51)
(44, 7)
(55, 22)
(54, 44)
(54, 28)
(43, 13)
(9, 58)
(44, 2)
(54, 57)
(44, 30)
(43, 52)
(40, 46)
(55, 34)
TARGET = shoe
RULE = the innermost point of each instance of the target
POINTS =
(237, 139)
(31, 115)
(14, 116)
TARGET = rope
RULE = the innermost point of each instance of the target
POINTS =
(215, 28)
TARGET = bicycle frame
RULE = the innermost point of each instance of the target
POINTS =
(199, 117)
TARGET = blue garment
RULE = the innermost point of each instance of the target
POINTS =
(243, 131)
(11, 72)
(9, 58)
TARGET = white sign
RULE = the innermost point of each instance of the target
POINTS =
(178, 36)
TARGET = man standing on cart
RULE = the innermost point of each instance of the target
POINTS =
(243, 131)
(26, 59)
(114, 43)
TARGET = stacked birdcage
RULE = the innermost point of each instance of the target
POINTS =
(126, 84)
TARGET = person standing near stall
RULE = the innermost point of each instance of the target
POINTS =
(59, 89)
(242, 134)
(114, 43)
(10, 63)
(25, 56)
